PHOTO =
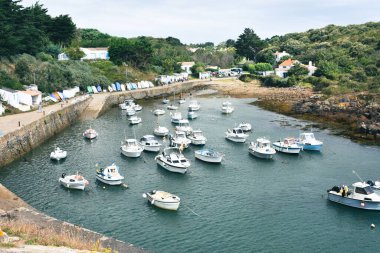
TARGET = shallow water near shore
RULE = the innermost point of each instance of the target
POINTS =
(242, 205)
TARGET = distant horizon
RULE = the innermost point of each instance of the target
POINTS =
(214, 21)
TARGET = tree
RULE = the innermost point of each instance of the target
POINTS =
(327, 69)
(74, 53)
(263, 66)
(297, 70)
(62, 30)
(249, 44)
(197, 68)
(173, 41)
(230, 43)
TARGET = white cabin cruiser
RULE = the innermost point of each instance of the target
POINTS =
(58, 154)
(161, 131)
(194, 105)
(209, 156)
(172, 107)
(173, 160)
(165, 101)
(109, 175)
(246, 127)
(227, 107)
(236, 135)
(150, 143)
(90, 134)
(192, 115)
(184, 126)
(308, 142)
(130, 111)
(176, 117)
(164, 200)
(77, 182)
(181, 101)
(197, 138)
(134, 120)
(131, 148)
(179, 140)
(261, 149)
(361, 195)
(288, 145)
(158, 112)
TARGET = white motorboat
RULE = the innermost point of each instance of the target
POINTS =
(192, 115)
(137, 107)
(308, 142)
(288, 145)
(261, 148)
(361, 195)
(181, 101)
(184, 126)
(90, 134)
(130, 111)
(131, 148)
(179, 140)
(150, 143)
(164, 200)
(236, 135)
(109, 175)
(77, 182)
(175, 117)
(194, 105)
(158, 112)
(172, 107)
(227, 107)
(58, 154)
(165, 101)
(161, 131)
(246, 127)
(173, 160)
(197, 138)
(134, 120)
(209, 156)
(126, 104)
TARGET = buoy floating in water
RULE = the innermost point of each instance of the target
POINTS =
(373, 226)
(125, 185)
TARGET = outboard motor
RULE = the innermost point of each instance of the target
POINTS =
(370, 182)
(63, 175)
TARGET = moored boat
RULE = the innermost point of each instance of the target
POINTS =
(227, 107)
(192, 115)
(161, 131)
(246, 127)
(361, 195)
(165, 101)
(158, 112)
(109, 175)
(175, 117)
(134, 120)
(90, 134)
(131, 148)
(308, 142)
(261, 148)
(288, 145)
(58, 154)
(164, 200)
(173, 160)
(179, 139)
(76, 181)
(209, 156)
(197, 138)
(194, 105)
(150, 143)
(236, 135)
(172, 107)
(184, 126)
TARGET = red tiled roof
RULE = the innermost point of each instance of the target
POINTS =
(286, 63)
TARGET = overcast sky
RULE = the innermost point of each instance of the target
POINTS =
(195, 21)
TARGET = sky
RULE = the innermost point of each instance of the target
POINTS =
(215, 21)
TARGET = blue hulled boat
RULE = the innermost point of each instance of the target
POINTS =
(308, 142)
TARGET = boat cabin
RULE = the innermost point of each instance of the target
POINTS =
(289, 141)
(183, 123)
(197, 133)
(131, 142)
(237, 131)
(180, 135)
(263, 143)
(307, 137)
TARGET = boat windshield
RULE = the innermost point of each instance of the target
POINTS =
(238, 131)
(181, 135)
(365, 191)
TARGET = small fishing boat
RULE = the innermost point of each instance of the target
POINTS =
(192, 115)
(161, 131)
(128, 103)
(361, 195)
(181, 101)
(197, 138)
(172, 107)
(179, 140)
(77, 182)
(209, 156)
(164, 200)
(175, 117)
(308, 142)
(194, 105)
(58, 154)
(236, 135)
(288, 145)
(150, 143)
(130, 111)
(158, 112)
(246, 127)
(173, 160)
(184, 126)
(90, 134)
(261, 149)
(131, 148)
(109, 175)
(134, 120)
(227, 107)
(165, 101)
(137, 107)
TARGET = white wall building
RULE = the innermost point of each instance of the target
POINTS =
(185, 66)
(279, 55)
(30, 97)
(2, 110)
(70, 93)
(63, 57)
(95, 53)
(10, 96)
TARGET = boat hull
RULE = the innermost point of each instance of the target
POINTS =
(152, 148)
(110, 182)
(181, 170)
(362, 204)
(72, 185)
(208, 159)
(90, 136)
(311, 147)
(287, 150)
(158, 133)
(260, 154)
(236, 139)
(173, 206)
(131, 153)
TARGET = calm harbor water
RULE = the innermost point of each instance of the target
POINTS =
(243, 205)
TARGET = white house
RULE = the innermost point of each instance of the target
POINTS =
(10, 96)
(30, 97)
(70, 93)
(283, 68)
(95, 53)
(185, 66)
(311, 68)
(2, 110)
(63, 57)
(279, 55)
